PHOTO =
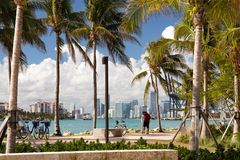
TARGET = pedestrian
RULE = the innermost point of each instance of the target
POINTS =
(146, 121)
(117, 124)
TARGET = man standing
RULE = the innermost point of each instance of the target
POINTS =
(146, 121)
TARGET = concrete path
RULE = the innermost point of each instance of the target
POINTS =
(128, 137)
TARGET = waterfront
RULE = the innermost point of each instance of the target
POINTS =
(79, 125)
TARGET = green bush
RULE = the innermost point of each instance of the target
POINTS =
(81, 145)
(184, 138)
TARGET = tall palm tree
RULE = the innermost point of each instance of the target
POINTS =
(62, 21)
(103, 29)
(160, 62)
(13, 91)
(230, 43)
(32, 29)
(184, 34)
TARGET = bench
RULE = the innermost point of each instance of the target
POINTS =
(113, 132)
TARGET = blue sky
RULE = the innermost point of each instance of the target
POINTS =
(151, 30)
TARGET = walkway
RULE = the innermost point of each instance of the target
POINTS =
(128, 137)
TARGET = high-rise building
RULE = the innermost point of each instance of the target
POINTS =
(98, 107)
(166, 107)
(62, 110)
(41, 107)
(118, 110)
(79, 113)
(102, 110)
(111, 112)
(137, 111)
(152, 109)
(134, 103)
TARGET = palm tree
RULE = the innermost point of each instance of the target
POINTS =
(32, 29)
(103, 28)
(139, 10)
(229, 42)
(13, 91)
(62, 21)
(160, 62)
(184, 34)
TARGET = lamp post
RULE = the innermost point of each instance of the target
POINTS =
(105, 61)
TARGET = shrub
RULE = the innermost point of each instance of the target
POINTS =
(81, 145)
(184, 138)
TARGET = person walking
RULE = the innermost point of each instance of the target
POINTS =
(146, 121)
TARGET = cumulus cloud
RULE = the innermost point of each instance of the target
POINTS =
(168, 32)
(38, 82)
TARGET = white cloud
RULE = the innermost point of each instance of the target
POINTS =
(38, 82)
(168, 32)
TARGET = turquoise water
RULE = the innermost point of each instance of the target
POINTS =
(77, 126)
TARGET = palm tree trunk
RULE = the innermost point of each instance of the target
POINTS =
(205, 133)
(11, 131)
(56, 110)
(157, 106)
(236, 124)
(94, 85)
(9, 65)
(194, 128)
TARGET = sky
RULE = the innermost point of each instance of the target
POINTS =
(37, 82)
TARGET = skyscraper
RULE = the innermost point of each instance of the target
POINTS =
(152, 103)
(98, 107)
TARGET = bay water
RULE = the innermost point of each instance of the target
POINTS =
(79, 125)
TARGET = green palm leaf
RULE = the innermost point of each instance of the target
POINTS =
(139, 76)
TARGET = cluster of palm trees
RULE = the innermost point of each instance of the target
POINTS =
(209, 28)
(99, 25)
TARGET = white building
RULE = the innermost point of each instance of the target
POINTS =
(3, 106)
(41, 107)
(111, 112)
(79, 113)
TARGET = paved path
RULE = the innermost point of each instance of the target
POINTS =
(128, 137)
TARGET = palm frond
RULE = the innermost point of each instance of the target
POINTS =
(70, 46)
(139, 76)
(146, 92)
(85, 56)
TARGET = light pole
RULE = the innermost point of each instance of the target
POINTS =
(105, 61)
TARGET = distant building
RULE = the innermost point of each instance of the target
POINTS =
(47, 107)
(78, 113)
(133, 103)
(3, 106)
(100, 109)
(152, 109)
(165, 108)
(137, 111)
(111, 112)
(122, 109)
(62, 110)
(41, 107)
(118, 110)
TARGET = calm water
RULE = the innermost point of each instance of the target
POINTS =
(77, 126)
